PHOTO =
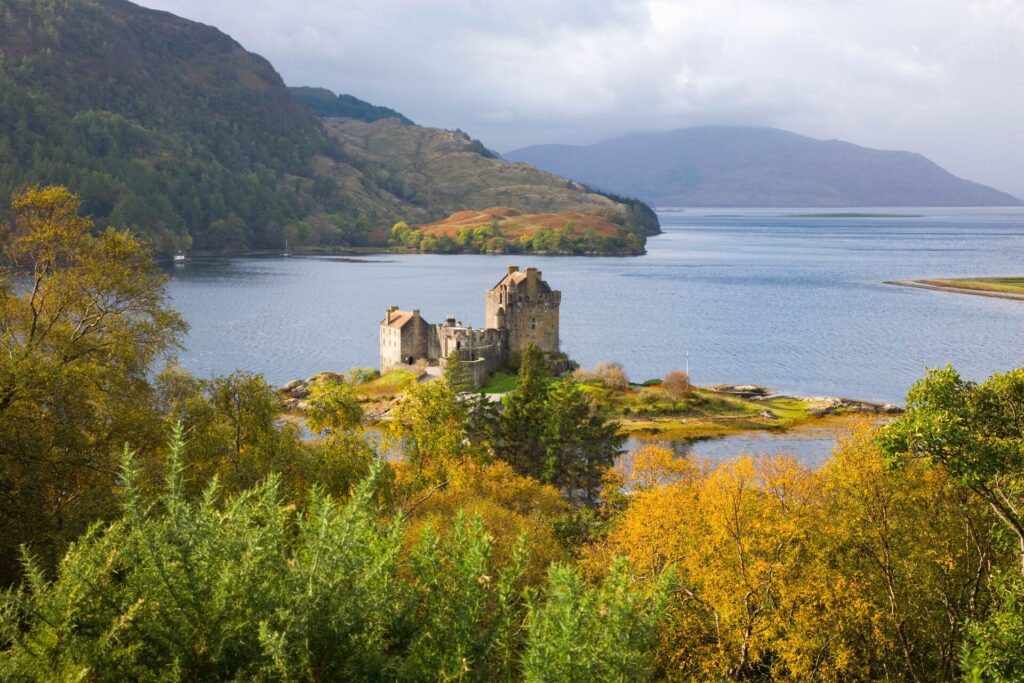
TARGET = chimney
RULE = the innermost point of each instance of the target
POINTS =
(512, 269)
(416, 313)
(391, 310)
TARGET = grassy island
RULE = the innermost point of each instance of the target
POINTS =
(651, 410)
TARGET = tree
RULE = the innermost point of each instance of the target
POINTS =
(430, 425)
(247, 587)
(612, 375)
(551, 431)
(975, 432)
(677, 384)
(79, 341)
(579, 444)
(524, 417)
(334, 407)
(456, 375)
(581, 633)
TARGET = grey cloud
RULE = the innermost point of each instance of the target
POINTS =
(941, 78)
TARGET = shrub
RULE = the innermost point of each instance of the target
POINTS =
(612, 375)
(677, 384)
(248, 588)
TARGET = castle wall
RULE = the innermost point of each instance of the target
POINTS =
(481, 351)
(404, 345)
(520, 310)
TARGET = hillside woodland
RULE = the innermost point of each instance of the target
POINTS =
(172, 129)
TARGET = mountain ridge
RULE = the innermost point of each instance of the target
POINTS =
(745, 166)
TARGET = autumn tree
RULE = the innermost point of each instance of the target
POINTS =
(612, 375)
(83, 319)
(677, 384)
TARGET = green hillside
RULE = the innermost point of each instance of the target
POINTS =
(173, 129)
(325, 103)
(162, 124)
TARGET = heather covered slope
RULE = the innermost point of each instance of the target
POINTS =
(432, 173)
(737, 166)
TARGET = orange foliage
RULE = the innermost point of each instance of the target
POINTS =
(515, 223)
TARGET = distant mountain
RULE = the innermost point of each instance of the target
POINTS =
(739, 166)
(171, 128)
(325, 103)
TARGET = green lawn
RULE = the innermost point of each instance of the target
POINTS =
(501, 383)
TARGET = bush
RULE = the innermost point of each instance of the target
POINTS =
(677, 384)
(612, 375)
(248, 588)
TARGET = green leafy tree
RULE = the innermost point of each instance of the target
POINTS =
(992, 651)
(247, 587)
(580, 633)
(973, 431)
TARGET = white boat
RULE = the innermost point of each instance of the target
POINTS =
(179, 257)
(286, 252)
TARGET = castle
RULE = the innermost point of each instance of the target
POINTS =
(521, 310)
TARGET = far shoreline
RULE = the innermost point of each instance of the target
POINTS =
(942, 287)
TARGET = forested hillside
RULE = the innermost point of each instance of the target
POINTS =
(163, 125)
(326, 104)
(174, 130)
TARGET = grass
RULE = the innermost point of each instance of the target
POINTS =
(1005, 285)
(501, 382)
(388, 385)
(651, 412)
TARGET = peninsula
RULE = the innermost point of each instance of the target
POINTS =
(999, 287)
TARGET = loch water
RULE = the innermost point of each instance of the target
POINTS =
(791, 299)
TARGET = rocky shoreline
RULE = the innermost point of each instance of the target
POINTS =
(819, 405)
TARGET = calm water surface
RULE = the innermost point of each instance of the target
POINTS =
(794, 302)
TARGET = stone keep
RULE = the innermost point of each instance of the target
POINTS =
(521, 309)
(524, 305)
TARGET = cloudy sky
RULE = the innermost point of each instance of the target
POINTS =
(941, 77)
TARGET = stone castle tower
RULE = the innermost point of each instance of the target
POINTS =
(524, 305)
(521, 310)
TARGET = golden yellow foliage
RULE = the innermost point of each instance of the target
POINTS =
(509, 505)
(850, 572)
